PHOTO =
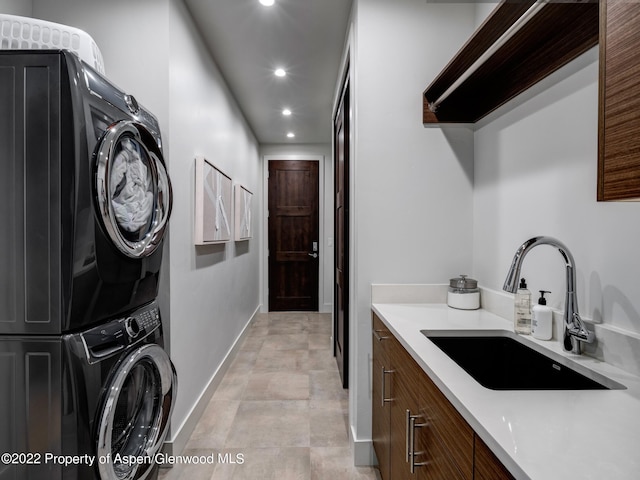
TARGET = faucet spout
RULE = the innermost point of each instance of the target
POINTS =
(574, 330)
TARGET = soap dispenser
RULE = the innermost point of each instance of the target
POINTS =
(541, 318)
(522, 313)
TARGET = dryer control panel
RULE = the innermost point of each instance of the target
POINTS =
(105, 340)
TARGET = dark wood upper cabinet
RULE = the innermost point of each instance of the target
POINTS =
(553, 36)
(619, 90)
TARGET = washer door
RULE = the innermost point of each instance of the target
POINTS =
(132, 188)
(135, 414)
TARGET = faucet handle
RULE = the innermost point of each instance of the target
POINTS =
(579, 331)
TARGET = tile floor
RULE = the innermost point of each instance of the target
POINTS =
(280, 409)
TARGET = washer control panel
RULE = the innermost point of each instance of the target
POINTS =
(105, 340)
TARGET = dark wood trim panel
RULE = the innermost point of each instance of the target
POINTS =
(558, 34)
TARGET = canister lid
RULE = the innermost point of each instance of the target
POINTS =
(462, 282)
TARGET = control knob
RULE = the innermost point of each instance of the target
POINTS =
(132, 327)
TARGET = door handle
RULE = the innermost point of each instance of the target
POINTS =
(314, 255)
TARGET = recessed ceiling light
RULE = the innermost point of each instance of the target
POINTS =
(291, 134)
(280, 72)
(286, 112)
(267, 3)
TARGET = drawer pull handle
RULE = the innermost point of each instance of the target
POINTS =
(376, 333)
(411, 442)
(385, 400)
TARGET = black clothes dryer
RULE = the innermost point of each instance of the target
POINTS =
(84, 196)
(93, 405)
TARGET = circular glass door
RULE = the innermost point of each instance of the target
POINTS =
(132, 188)
(135, 414)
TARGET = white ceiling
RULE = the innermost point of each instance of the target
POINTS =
(249, 41)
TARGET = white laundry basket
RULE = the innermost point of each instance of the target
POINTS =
(24, 33)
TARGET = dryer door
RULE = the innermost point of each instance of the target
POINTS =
(133, 422)
(132, 188)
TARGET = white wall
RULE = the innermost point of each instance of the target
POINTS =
(326, 229)
(16, 7)
(535, 174)
(412, 187)
(153, 50)
(483, 9)
(214, 289)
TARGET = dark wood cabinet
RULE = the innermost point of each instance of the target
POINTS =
(619, 102)
(486, 464)
(417, 433)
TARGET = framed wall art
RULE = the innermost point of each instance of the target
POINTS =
(242, 208)
(213, 204)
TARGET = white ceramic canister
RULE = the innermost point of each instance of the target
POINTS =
(463, 293)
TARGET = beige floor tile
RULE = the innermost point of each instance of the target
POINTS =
(320, 323)
(214, 425)
(269, 360)
(320, 341)
(261, 320)
(252, 343)
(270, 424)
(291, 463)
(337, 463)
(321, 360)
(288, 325)
(277, 386)
(297, 341)
(282, 317)
(328, 423)
(231, 387)
(326, 385)
(258, 331)
(244, 362)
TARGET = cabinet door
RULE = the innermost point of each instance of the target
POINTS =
(406, 419)
(619, 102)
(380, 415)
(486, 465)
(381, 397)
(453, 432)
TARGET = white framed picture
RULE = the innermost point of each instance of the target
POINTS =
(213, 204)
(242, 209)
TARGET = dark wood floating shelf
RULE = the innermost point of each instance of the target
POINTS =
(556, 35)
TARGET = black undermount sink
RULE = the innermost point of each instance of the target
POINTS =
(498, 360)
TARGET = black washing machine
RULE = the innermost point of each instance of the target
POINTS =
(84, 196)
(85, 200)
(98, 401)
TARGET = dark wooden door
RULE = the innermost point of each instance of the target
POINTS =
(293, 235)
(341, 228)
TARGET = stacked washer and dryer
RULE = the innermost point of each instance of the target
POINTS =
(86, 387)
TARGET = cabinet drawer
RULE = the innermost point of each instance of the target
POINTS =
(455, 434)
(380, 332)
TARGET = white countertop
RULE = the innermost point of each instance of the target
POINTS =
(540, 435)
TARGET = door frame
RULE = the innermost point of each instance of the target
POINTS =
(323, 306)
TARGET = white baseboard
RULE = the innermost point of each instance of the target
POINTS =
(363, 453)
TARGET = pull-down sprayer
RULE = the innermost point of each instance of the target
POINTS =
(574, 330)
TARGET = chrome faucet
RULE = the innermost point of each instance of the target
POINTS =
(574, 330)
